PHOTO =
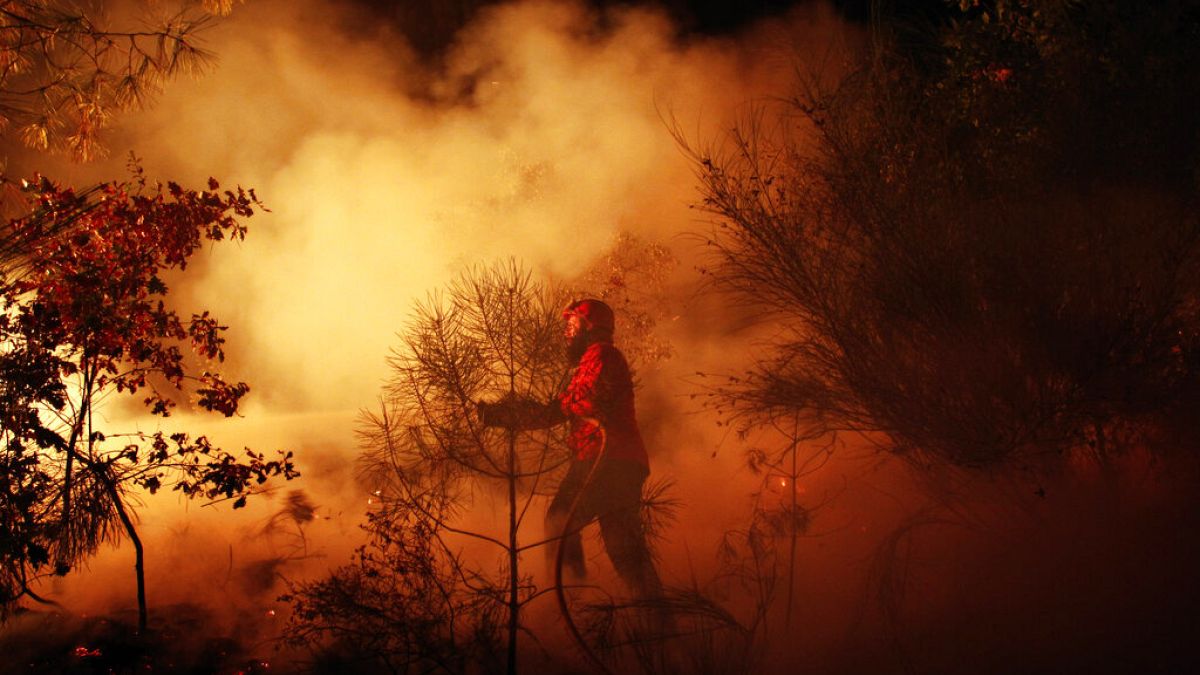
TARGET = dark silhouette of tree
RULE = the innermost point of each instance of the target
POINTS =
(85, 320)
(983, 250)
(64, 72)
(776, 517)
(427, 456)
(405, 603)
(441, 584)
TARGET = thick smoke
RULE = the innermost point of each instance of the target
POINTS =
(544, 132)
(540, 137)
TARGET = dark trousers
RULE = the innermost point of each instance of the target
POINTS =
(613, 496)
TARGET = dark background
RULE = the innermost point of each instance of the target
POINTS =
(430, 27)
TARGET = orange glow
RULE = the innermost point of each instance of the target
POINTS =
(541, 136)
(379, 196)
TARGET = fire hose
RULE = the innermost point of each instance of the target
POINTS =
(559, 592)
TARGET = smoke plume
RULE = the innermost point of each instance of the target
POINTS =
(543, 132)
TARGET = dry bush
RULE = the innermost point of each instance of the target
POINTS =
(984, 250)
(413, 599)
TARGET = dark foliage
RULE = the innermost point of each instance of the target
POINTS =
(65, 71)
(986, 253)
(412, 599)
(85, 318)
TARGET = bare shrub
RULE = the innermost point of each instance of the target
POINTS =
(987, 254)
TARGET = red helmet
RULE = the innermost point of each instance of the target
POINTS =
(595, 314)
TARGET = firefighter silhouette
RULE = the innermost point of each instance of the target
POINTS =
(609, 463)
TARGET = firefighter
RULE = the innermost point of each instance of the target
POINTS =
(608, 464)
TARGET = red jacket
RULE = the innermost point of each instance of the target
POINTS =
(598, 402)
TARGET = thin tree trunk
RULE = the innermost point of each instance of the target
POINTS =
(62, 564)
(139, 565)
(792, 531)
(514, 606)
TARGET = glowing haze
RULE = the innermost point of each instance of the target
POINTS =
(542, 138)
(544, 133)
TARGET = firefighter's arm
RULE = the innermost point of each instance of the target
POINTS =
(515, 412)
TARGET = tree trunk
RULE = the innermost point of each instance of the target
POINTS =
(792, 515)
(62, 565)
(514, 605)
(139, 565)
